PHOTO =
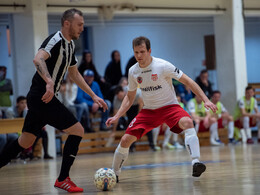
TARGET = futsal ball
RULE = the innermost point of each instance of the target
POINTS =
(105, 179)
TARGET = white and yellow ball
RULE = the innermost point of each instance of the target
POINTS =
(105, 179)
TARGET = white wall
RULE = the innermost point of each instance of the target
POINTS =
(180, 42)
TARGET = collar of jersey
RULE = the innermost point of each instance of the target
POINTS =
(64, 37)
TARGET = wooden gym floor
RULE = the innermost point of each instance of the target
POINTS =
(230, 170)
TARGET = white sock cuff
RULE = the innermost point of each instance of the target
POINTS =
(196, 160)
(213, 127)
(189, 132)
(122, 150)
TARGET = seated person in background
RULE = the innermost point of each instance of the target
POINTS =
(204, 83)
(247, 115)
(93, 107)
(120, 93)
(222, 115)
(44, 136)
(167, 136)
(113, 72)
(123, 82)
(167, 133)
(6, 90)
(203, 119)
(6, 139)
(119, 96)
(87, 63)
(18, 111)
(67, 95)
(183, 91)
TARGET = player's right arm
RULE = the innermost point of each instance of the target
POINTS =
(39, 62)
(184, 79)
(126, 104)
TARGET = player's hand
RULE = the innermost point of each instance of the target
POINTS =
(211, 106)
(100, 102)
(111, 120)
(47, 97)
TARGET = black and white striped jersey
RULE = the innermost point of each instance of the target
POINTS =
(62, 55)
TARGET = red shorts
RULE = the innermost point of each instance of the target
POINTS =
(239, 125)
(148, 119)
(202, 128)
(220, 123)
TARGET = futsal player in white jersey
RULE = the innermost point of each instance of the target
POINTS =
(154, 76)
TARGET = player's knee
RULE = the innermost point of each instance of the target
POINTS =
(76, 129)
(186, 123)
(26, 141)
(127, 140)
(80, 131)
(212, 120)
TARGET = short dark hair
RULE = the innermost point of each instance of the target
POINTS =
(140, 40)
(69, 15)
(248, 88)
(216, 91)
(203, 71)
(3, 67)
(118, 89)
(20, 98)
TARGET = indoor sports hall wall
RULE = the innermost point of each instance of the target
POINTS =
(177, 40)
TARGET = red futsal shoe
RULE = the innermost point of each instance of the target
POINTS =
(68, 185)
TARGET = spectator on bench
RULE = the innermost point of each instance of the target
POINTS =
(203, 119)
(93, 107)
(247, 115)
(222, 115)
(19, 111)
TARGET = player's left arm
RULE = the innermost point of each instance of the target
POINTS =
(184, 79)
(79, 80)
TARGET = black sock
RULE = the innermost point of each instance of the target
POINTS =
(10, 152)
(69, 153)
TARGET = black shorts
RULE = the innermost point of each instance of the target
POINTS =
(40, 114)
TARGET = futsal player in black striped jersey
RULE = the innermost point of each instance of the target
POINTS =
(55, 57)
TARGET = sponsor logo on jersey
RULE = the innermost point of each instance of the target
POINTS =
(154, 77)
(152, 88)
(146, 71)
(139, 80)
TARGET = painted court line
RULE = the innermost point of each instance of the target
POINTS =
(157, 165)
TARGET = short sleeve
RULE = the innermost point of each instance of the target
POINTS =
(49, 43)
(171, 71)
(223, 108)
(241, 104)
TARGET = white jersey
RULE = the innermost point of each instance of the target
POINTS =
(155, 82)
